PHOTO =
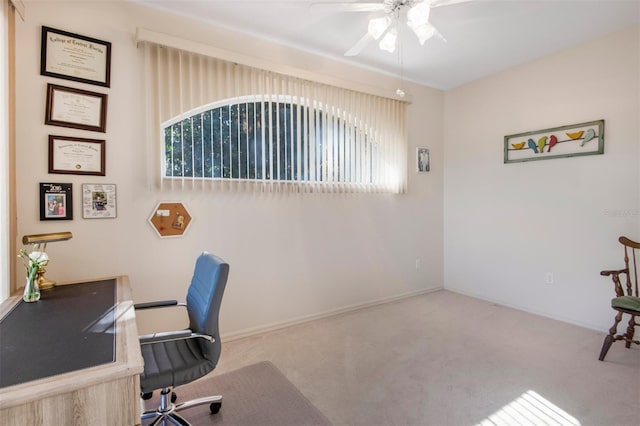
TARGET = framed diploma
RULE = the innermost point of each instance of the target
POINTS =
(56, 201)
(75, 57)
(98, 201)
(76, 108)
(76, 156)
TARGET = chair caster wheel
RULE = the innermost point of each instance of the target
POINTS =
(146, 396)
(215, 407)
(174, 397)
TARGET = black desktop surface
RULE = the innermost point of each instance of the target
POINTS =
(71, 327)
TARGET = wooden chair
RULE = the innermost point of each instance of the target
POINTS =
(627, 300)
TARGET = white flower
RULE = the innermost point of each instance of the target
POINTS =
(39, 257)
(33, 261)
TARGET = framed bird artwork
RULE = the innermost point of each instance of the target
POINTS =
(557, 142)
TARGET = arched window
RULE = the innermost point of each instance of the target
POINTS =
(281, 140)
(216, 124)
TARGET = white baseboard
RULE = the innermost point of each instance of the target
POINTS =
(524, 309)
(333, 312)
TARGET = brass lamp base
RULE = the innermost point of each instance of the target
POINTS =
(43, 282)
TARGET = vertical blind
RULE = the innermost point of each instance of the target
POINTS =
(214, 124)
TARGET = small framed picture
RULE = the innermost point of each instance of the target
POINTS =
(75, 57)
(423, 160)
(56, 201)
(76, 108)
(98, 201)
(76, 156)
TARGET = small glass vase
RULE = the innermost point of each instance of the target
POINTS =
(31, 290)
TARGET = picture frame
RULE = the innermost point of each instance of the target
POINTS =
(56, 201)
(76, 108)
(76, 156)
(423, 159)
(574, 140)
(99, 201)
(75, 57)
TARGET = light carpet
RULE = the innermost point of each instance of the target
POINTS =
(444, 359)
(258, 394)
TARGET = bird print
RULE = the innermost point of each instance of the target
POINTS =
(542, 142)
(519, 145)
(532, 145)
(552, 141)
(588, 136)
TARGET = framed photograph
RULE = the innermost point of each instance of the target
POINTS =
(76, 156)
(98, 201)
(76, 108)
(423, 159)
(558, 142)
(75, 57)
(56, 201)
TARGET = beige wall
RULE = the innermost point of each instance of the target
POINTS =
(292, 257)
(508, 225)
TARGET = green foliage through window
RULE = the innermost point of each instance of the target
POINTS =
(273, 141)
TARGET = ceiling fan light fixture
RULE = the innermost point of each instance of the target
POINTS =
(378, 26)
(418, 14)
(388, 42)
(424, 32)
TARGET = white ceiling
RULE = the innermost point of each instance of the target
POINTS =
(482, 36)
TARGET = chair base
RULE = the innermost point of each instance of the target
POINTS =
(166, 413)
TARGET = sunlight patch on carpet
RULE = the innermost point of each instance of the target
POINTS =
(530, 409)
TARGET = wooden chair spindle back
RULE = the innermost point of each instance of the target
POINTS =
(632, 274)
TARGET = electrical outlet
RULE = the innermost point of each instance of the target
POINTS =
(548, 278)
(417, 263)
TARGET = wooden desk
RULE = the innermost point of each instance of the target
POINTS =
(107, 394)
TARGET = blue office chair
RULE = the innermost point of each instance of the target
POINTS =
(178, 357)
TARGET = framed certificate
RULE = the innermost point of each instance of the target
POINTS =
(76, 108)
(75, 57)
(76, 156)
(56, 201)
(98, 201)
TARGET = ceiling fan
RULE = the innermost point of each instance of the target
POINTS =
(385, 27)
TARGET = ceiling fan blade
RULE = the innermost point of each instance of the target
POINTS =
(359, 46)
(347, 6)
(439, 36)
(438, 3)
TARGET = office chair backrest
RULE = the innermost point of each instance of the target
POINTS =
(204, 298)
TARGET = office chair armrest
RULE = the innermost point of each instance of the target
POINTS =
(158, 304)
(168, 336)
(615, 276)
